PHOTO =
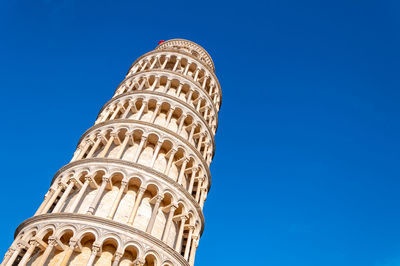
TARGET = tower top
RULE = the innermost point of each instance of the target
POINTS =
(188, 47)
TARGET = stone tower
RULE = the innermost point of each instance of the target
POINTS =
(134, 190)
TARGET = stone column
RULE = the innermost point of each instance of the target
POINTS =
(99, 194)
(202, 197)
(154, 62)
(178, 245)
(188, 242)
(76, 153)
(200, 142)
(80, 194)
(15, 254)
(195, 244)
(28, 254)
(204, 82)
(199, 188)
(155, 113)
(68, 252)
(53, 198)
(84, 150)
(136, 205)
(46, 199)
(170, 160)
(186, 68)
(178, 60)
(192, 178)
(165, 62)
(95, 146)
(51, 244)
(182, 172)
(193, 127)
(167, 85)
(116, 111)
(178, 91)
(123, 145)
(196, 74)
(156, 81)
(95, 250)
(117, 257)
(183, 117)
(125, 114)
(189, 97)
(7, 256)
(107, 147)
(64, 196)
(170, 112)
(156, 152)
(154, 213)
(198, 104)
(141, 110)
(117, 199)
(169, 222)
(140, 148)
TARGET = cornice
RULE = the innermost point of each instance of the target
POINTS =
(131, 121)
(143, 168)
(102, 221)
(164, 95)
(185, 54)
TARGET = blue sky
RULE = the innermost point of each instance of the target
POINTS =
(306, 171)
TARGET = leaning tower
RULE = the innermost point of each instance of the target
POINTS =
(134, 190)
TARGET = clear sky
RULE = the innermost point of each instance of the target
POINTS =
(306, 171)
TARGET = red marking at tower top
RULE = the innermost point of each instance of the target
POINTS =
(160, 42)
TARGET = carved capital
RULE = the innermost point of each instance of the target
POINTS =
(73, 242)
(118, 255)
(52, 241)
(96, 248)
(159, 198)
(106, 178)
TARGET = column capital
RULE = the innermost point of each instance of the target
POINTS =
(34, 242)
(61, 184)
(124, 183)
(159, 198)
(118, 255)
(21, 245)
(114, 134)
(106, 178)
(96, 247)
(52, 241)
(184, 218)
(73, 242)
(141, 190)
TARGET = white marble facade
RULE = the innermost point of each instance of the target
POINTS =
(134, 191)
